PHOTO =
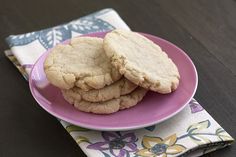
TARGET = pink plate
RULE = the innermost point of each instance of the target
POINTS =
(153, 109)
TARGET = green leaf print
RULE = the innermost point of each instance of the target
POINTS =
(194, 128)
(81, 139)
(72, 128)
(200, 139)
(223, 135)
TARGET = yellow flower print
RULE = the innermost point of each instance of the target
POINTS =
(157, 147)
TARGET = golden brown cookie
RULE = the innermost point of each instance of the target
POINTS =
(81, 63)
(110, 106)
(115, 90)
(141, 61)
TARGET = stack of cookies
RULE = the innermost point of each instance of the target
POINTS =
(106, 75)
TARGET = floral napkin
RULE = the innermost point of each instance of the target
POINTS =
(192, 132)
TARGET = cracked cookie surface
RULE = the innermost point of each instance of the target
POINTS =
(115, 90)
(80, 63)
(110, 106)
(141, 61)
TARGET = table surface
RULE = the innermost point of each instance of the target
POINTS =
(206, 30)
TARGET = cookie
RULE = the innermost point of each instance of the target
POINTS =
(81, 63)
(110, 106)
(141, 61)
(115, 90)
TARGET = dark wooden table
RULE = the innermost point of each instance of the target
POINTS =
(205, 29)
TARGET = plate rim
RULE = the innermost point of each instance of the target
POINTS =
(91, 127)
